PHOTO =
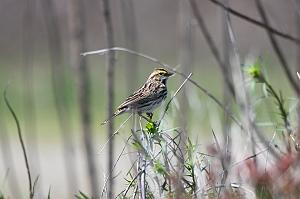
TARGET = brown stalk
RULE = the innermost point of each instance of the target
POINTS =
(110, 94)
(186, 50)
(225, 155)
(77, 45)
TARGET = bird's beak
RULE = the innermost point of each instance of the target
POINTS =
(170, 74)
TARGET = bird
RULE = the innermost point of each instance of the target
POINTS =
(148, 97)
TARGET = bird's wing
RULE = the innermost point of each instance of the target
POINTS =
(138, 96)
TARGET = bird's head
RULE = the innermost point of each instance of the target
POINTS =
(160, 74)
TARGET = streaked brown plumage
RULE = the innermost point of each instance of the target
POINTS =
(148, 97)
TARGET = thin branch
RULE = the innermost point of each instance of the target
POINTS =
(276, 47)
(249, 157)
(212, 45)
(115, 133)
(257, 23)
(206, 92)
(177, 91)
(31, 191)
(106, 50)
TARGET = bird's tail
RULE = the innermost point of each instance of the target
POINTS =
(118, 112)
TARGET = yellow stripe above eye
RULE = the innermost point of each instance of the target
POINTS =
(161, 70)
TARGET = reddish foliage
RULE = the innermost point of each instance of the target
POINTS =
(279, 177)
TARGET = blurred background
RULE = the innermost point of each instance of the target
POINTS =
(41, 66)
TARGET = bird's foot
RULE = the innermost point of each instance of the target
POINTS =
(149, 118)
(150, 115)
(146, 118)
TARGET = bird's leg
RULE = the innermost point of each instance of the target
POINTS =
(140, 114)
(150, 115)
(149, 118)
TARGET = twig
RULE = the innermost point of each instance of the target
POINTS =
(168, 104)
(254, 155)
(225, 171)
(115, 164)
(31, 191)
(282, 60)
(206, 92)
(255, 22)
(106, 50)
(132, 181)
(7, 159)
(249, 157)
(116, 132)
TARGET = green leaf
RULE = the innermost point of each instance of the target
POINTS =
(81, 195)
(262, 191)
(159, 168)
(49, 193)
(1, 196)
(151, 128)
(255, 71)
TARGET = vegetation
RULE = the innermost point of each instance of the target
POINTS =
(229, 128)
